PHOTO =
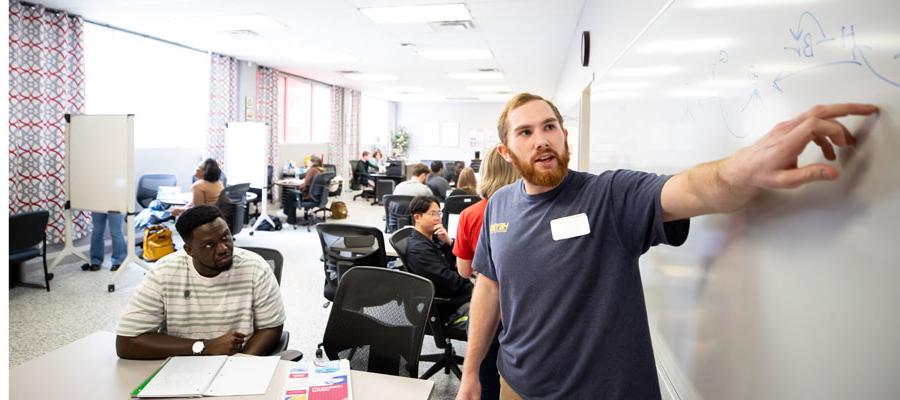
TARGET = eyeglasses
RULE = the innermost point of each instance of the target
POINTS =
(435, 213)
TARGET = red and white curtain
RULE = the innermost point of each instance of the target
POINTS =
(46, 81)
(267, 108)
(223, 102)
(336, 138)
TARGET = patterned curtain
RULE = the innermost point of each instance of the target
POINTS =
(351, 133)
(223, 102)
(336, 140)
(267, 108)
(46, 81)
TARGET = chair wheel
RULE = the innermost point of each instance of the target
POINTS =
(251, 233)
(85, 267)
(111, 288)
(50, 276)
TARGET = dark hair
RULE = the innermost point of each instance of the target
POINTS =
(420, 169)
(211, 170)
(194, 217)
(315, 160)
(421, 204)
(437, 166)
(365, 153)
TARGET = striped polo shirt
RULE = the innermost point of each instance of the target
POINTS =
(176, 300)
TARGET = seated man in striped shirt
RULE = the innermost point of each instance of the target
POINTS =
(208, 299)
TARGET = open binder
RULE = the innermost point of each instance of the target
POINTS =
(200, 376)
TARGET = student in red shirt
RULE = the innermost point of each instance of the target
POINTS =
(496, 173)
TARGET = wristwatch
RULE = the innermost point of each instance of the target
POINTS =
(198, 347)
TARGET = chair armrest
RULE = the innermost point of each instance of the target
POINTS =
(291, 355)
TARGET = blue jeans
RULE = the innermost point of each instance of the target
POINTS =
(116, 232)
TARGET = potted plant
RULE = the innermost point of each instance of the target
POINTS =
(400, 143)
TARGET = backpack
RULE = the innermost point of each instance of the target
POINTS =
(265, 226)
(157, 242)
(338, 210)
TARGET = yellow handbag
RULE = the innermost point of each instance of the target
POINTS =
(157, 242)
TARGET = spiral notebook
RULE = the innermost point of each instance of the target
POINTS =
(201, 376)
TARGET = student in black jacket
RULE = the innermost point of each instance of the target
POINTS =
(429, 253)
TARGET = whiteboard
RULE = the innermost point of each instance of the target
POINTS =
(100, 162)
(796, 296)
(246, 147)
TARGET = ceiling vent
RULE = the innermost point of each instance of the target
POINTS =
(451, 26)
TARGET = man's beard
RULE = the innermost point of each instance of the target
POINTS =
(543, 178)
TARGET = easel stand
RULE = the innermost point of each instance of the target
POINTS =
(69, 247)
(263, 213)
(131, 257)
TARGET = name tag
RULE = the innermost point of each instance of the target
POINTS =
(569, 227)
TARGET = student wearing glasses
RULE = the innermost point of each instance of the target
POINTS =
(430, 254)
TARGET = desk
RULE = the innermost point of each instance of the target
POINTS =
(186, 197)
(89, 369)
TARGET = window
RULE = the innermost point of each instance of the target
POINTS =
(375, 129)
(305, 110)
(171, 108)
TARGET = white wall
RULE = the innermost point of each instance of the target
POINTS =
(613, 25)
(472, 117)
(298, 152)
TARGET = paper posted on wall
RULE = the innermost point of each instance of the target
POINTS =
(329, 381)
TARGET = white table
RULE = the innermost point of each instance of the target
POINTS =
(89, 369)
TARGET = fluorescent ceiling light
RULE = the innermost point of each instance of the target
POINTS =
(608, 86)
(325, 58)
(404, 89)
(498, 97)
(680, 46)
(424, 13)
(489, 88)
(359, 76)
(710, 4)
(475, 76)
(463, 54)
(661, 70)
(252, 22)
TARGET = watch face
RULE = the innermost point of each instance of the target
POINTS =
(198, 347)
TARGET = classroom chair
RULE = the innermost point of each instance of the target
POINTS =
(396, 212)
(360, 181)
(318, 202)
(148, 186)
(27, 231)
(378, 321)
(276, 261)
(456, 205)
(233, 205)
(345, 246)
(440, 326)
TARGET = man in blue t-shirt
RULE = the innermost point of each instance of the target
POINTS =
(558, 251)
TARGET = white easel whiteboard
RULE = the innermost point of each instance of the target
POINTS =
(245, 153)
(100, 162)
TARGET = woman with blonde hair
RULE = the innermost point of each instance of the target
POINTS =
(466, 184)
(495, 174)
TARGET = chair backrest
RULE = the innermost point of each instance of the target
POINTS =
(148, 185)
(396, 212)
(231, 203)
(400, 241)
(273, 257)
(378, 320)
(330, 168)
(456, 205)
(27, 229)
(319, 190)
(345, 246)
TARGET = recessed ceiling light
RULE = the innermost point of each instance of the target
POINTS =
(489, 88)
(360, 76)
(404, 89)
(424, 13)
(250, 22)
(462, 54)
(325, 58)
(475, 75)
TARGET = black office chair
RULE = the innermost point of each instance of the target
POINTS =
(276, 261)
(378, 321)
(318, 201)
(360, 181)
(233, 205)
(439, 326)
(396, 212)
(330, 168)
(148, 186)
(383, 187)
(456, 205)
(345, 246)
(27, 231)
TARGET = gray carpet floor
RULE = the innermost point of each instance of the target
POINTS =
(79, 303)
